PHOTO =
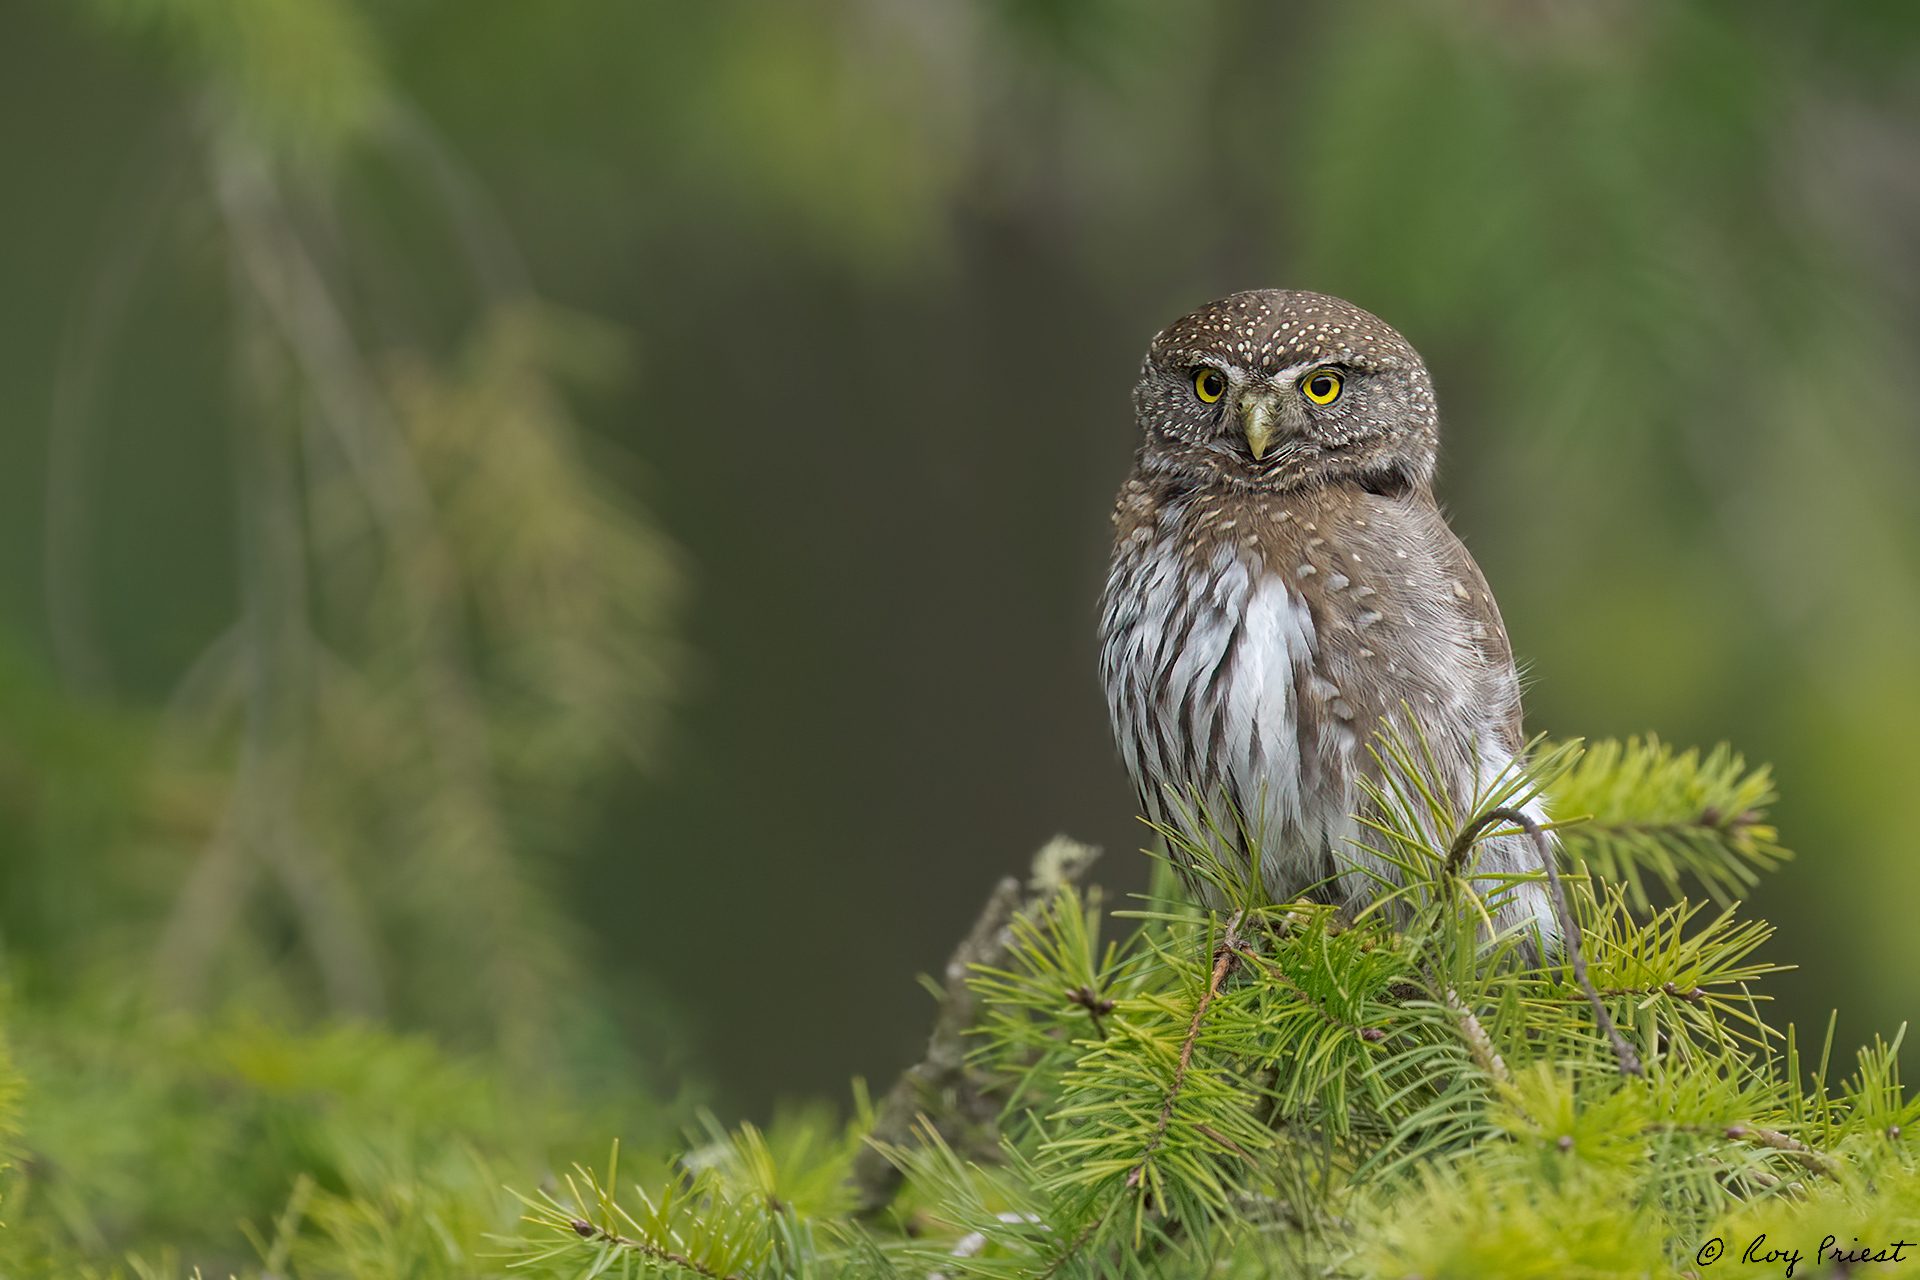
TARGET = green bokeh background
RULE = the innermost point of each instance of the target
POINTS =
(876, 277)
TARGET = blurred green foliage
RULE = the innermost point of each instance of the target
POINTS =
(153, 1147)
(296, 75)
(507, 511)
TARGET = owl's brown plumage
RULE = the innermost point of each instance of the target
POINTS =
(1282, 580)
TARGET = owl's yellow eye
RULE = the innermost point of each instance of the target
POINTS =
(1209, 385)
(1322, 386)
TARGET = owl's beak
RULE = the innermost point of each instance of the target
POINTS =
(1260, 419)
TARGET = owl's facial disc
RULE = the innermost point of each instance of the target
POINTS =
(1280, 389)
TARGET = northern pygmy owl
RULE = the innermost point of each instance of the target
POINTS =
(1283, 582)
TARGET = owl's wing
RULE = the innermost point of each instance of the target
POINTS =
(1486, 629)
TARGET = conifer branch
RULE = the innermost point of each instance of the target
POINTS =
(1075, 1245)
(1791, 1146)
(1692, 995)
(1224, 955)
(652, 1252)
(1368, 1052)
(1668, 815)
(939, 1088)
(1569, 927)
(1479, 1043)
(1096, 1006)
(1372, 1035)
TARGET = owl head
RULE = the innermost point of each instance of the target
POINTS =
(1282, 389)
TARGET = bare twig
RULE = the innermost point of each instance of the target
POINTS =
(1569, 927)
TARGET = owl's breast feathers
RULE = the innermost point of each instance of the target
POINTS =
(1252, 642)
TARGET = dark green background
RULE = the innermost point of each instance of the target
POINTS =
(884, 272)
